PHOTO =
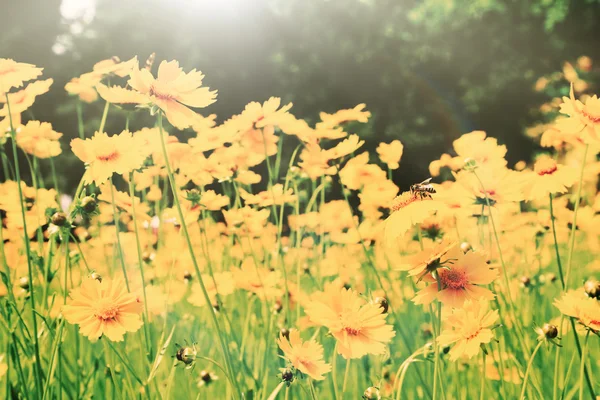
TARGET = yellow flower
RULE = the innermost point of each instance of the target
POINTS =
(38, 138)
(391, 153)
(359, 327)
(269, 197)
(104, 309)
(548, 177)
(583, 118)
(307, 357)
(484, 150)
(407, 210)
(84, 88)
(345, 147)
(342, 116)
(576, 304)
(172, 91)
(23, 99)
(459, 279)
(468, 328)
(358, 172)
(105, 155)
(13, 74)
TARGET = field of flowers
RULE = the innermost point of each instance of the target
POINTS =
(177, 271)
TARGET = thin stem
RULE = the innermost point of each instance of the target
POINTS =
(482, 386)
(116, 221)
(141, 264)
(558, 262)
(574, 226)
(582, 367)
(104, 115)
(346, 376)
(528, 370)
(80, 120)
(37, 365)
(214, 319)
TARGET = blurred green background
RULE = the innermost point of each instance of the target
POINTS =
(428, 70)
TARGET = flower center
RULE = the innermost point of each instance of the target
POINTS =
(108, 157)
(404, 200)
(453, 279)
(158, 94)
(545, 166)
(106, 312)
(352, 331)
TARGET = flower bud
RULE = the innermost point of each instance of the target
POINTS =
(96, 276)
(24, 283)
(88, 203)
(525, 281)
(287, 375)
(205, 376)
(372, 393)
(592, 288)
(550, 331)
(383, 303)
(59, 219)
(465, 247)
(285, 332)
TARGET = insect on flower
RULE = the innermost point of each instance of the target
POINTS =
(423, 190)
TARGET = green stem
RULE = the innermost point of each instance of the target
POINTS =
(528, 370)
(574, 226)
(37, 366)
(116, 221)
(80, 120)
(482, 386)
(141, 264)
(582, 367)
(214, 319)
(346, 376)
(104, 115)
(558, 262)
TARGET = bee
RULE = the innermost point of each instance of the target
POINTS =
(423, 189)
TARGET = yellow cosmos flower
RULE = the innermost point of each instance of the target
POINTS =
(306, 357)
(358, 172)
(38, 139)
(391, 153)
(359, 326)
(468, 328)
(104, 309)
(172, 91)
(105, 155)
(407, 211)
(459, 280)
(576, 304)
(13, 74)
(342, 116)
(548, 177)
(23, 99)
(273, 196)
(583, 118)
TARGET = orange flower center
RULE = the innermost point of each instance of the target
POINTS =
(108, 157)
(473, 335)
(545, 166)
(163, 96)
(352, 331)
(594, 117)
(106, 311)
(453, 279)
(490, 192)
(404, 200)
